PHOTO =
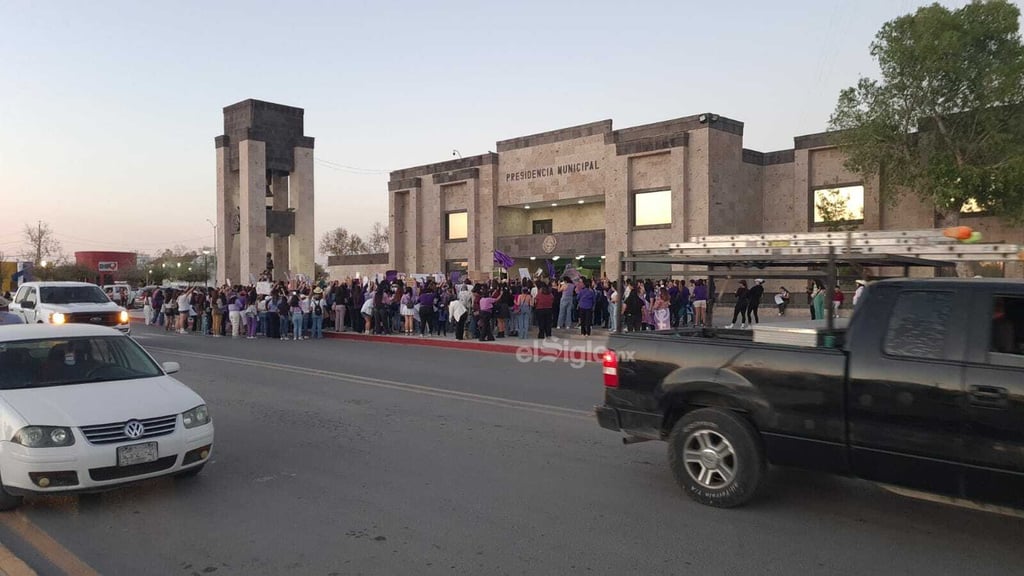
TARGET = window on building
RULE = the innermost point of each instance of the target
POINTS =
(838, 204)
(543, 226)
(456, 266)
(457, 226)
(652, 208)
(919, 324)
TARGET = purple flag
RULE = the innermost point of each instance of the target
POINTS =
(551, 269)
(391, 275)
(504, 260)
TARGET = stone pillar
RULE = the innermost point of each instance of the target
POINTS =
(300, 199)
(411, 246)
(473, 267)
(277, 244)
(803, 217)
(487, 207)
(227, 202)
(252, 176)
(395, 259)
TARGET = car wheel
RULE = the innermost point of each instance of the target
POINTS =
(191, 472)
(8, 501)
(716, 457)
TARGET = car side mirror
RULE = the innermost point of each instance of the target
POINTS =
(171, 367)
(28, 305)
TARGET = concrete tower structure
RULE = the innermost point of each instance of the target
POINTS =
(264, 193)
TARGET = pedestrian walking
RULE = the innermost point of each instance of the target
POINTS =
(754, 301)
(587, 301)
(742, 304)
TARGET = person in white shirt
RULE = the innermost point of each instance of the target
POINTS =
(860, 290)
(147, 308)
(613, 309)
(184, 310)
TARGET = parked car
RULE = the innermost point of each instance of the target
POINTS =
(924, 390)
(113, 291)
(68, 303)
(85, 408)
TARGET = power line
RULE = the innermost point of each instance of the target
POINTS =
(346, 168)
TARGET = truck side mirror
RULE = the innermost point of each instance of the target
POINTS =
(28, 305)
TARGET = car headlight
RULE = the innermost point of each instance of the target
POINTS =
(44, 437)
(57, 318)
(123, 317)
(196, 416)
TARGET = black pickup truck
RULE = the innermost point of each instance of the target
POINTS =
(924, 389)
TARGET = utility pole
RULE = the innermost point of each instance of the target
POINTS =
(39, 241)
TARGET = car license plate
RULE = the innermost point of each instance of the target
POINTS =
(137, 454)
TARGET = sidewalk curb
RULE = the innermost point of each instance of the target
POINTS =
(569, 352)
(560, 349)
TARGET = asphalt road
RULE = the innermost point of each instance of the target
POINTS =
(337, 457)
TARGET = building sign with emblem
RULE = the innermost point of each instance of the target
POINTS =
(107, 267)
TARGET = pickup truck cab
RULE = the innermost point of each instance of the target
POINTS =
(925, 389)
(68, 303)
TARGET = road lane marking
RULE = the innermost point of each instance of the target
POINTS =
(391, 385)
(64, 559)
(11, 565)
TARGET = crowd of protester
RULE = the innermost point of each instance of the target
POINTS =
(481, 310)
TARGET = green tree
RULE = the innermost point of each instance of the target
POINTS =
(340, 242)
(379, 239)
(946, 118)
(66, 272)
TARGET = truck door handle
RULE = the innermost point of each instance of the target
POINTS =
(988, 395)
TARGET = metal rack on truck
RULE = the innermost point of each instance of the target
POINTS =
(819, 255)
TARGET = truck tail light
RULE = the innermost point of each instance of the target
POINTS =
(611, 369)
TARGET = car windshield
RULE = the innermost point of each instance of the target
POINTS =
(63, 361)
(73, 294)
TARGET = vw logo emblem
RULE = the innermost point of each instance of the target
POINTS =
(134, 429)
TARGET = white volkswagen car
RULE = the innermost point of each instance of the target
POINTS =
(85, 408)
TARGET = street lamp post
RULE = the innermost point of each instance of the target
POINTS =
(206, 272)
(214, 240)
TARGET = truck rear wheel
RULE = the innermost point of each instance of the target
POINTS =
(716, 457)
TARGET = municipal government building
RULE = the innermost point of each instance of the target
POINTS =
(584, 194)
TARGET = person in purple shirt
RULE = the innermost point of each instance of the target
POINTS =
(587, 299)
(426, 300)
(685, 305)
(567, 289)
(700, 302)
(486, 311)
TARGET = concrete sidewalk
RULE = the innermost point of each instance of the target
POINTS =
(564, 344)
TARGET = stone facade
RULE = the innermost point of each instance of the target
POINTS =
(264, 192)
(344, 268)
(567, 192)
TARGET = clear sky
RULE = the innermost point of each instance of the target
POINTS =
(108, 110)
